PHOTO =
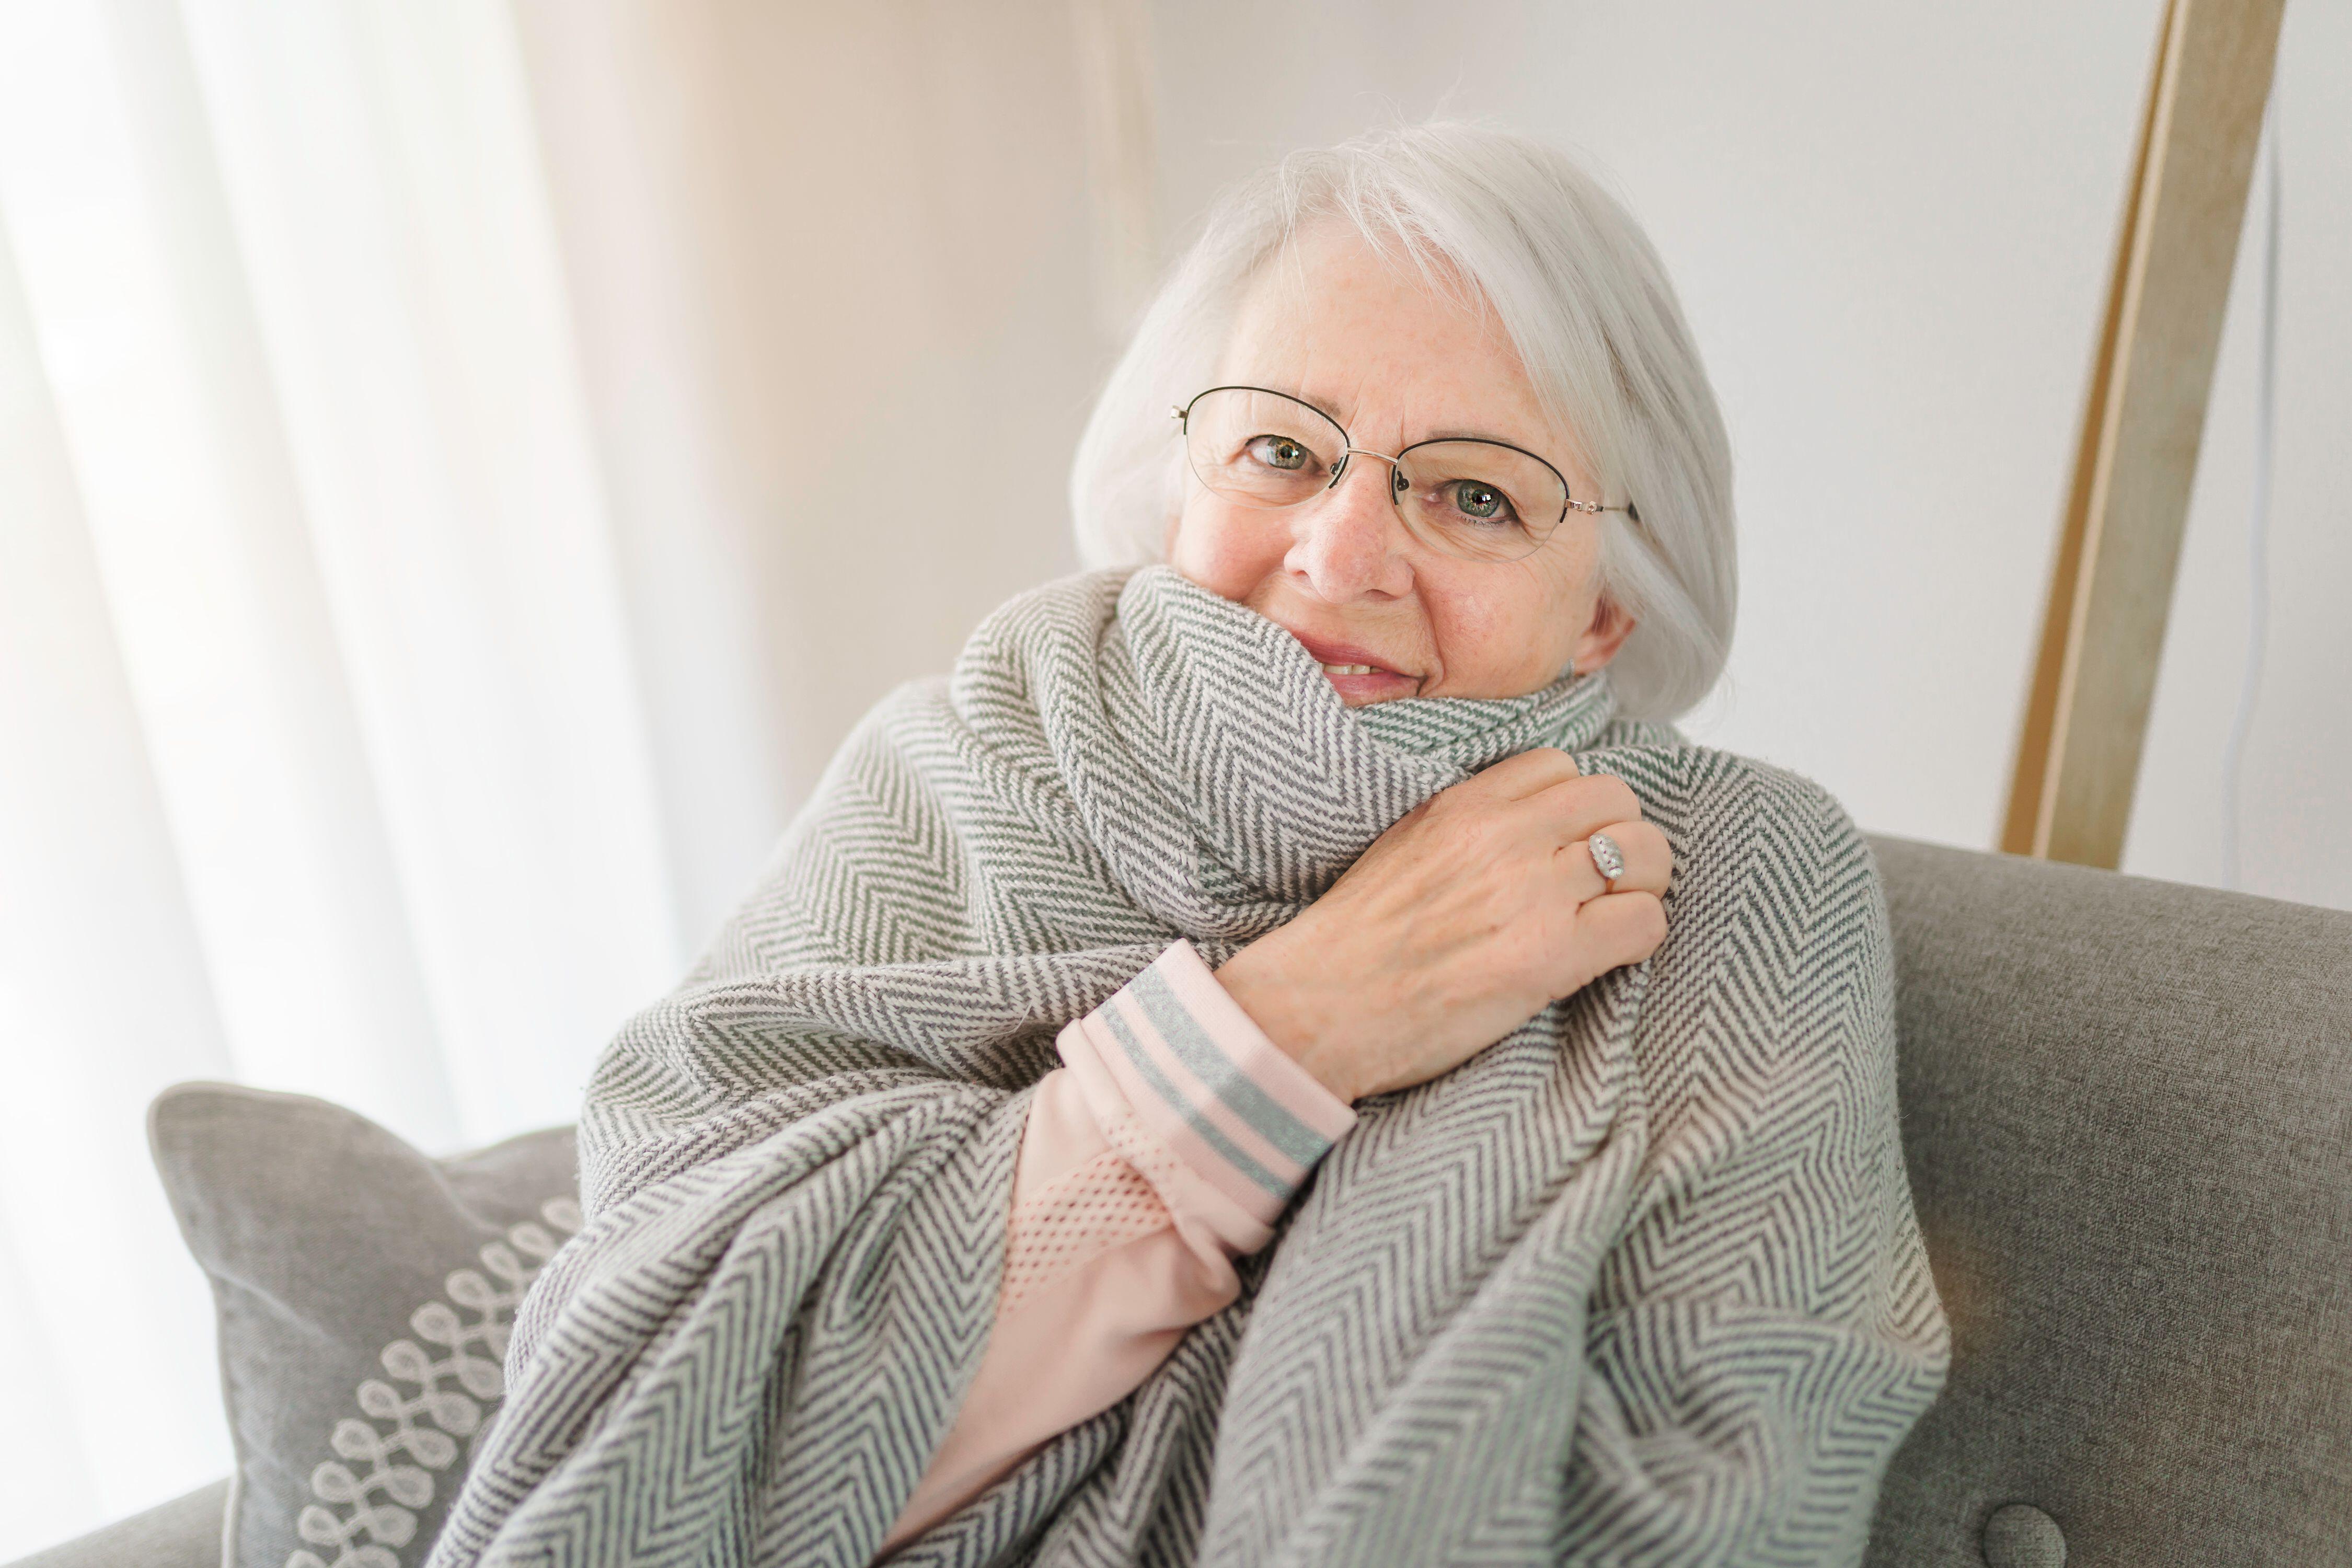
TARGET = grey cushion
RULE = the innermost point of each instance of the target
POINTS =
(2128, 1116)
(364, 1294)
(183, 1533)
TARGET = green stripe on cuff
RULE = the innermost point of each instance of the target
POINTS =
(1225, 1147)
(1209, 1063)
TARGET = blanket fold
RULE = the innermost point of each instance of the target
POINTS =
(1639, 1283)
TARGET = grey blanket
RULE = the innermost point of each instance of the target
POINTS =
(1640, 1283)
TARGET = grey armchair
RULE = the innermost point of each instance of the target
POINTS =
(2127, 1111)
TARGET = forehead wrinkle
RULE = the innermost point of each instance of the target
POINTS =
(1294, 349)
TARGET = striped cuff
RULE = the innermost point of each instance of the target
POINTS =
(1208, 1085)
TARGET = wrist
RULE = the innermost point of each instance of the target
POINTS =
(1290, 1016)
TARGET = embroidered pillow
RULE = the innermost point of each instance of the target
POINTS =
(364, 1293)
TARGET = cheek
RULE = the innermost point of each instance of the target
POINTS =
(1499, 641)
(1228, 554)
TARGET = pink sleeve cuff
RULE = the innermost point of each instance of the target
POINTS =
(1167, 1148)
(1171, 1054)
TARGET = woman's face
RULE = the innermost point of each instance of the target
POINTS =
(1394, 364)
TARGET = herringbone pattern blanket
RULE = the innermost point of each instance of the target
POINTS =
(1641, 1283)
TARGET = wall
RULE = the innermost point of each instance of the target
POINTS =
(830, 268)
(1891, 228)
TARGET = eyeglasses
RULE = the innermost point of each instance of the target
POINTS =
(1466, 497)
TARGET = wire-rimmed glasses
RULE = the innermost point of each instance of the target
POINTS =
(1469, 497)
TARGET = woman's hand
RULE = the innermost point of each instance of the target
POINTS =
(1472, 911)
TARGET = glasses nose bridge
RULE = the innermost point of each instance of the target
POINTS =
(1340, 469)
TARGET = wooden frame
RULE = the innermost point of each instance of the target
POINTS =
(2078, 754)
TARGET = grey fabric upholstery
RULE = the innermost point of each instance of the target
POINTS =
(2127, 1113)
(183, 1533)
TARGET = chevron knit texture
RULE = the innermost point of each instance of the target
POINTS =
(1639, 1283)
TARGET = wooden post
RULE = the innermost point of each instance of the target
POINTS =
(2078, 750)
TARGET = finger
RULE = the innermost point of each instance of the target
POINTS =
(1649, 861)
(1577, 807)
(1619, 928)
(1527, 773)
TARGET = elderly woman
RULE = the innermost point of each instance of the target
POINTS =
(1285, 1054)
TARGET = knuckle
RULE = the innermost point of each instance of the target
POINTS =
(1620, 798)
(1650, 922)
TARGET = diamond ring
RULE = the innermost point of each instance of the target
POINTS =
(1607, 858)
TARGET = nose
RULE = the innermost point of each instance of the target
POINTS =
(1349, 541)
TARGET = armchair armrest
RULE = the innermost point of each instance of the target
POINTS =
(184, 1532)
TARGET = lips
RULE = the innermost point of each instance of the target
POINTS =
(1344, 653)
(1370, 679)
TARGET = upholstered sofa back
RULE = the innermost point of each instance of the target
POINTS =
(2127, 1113)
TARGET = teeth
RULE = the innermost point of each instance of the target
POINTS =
(1348, 669)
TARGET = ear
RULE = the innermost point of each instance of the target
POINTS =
(1612, 624)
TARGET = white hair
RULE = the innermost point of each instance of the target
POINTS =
(1587, 305)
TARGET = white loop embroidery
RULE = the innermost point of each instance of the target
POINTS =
(455, 1383)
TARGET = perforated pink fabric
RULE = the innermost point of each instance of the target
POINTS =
(1124, 1222)
(1103, 1202)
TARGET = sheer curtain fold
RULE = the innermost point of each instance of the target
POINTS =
(440, 534)
(380, 170)
(104, 997)
(323, 764)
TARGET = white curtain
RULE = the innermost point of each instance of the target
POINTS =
(439, 541)
(323, 764)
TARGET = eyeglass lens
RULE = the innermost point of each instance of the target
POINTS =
(1477, 500)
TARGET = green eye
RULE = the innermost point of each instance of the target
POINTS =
(1483, 503)
(1279, 452)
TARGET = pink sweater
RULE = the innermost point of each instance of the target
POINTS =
(1165, 1147)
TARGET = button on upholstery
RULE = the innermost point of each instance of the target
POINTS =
(2020, 1535)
